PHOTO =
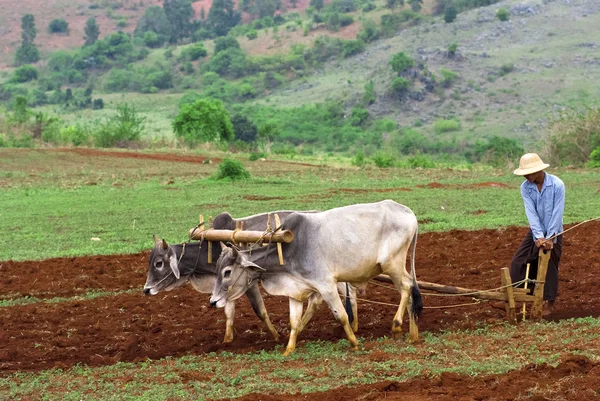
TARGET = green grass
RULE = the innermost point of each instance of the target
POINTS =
(54, 203)
(315, 366)
(4, 303)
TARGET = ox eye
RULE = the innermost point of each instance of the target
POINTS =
(226, 273)
(160, 264)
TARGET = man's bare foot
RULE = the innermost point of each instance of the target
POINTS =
(548, 308)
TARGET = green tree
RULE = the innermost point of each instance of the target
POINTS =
(25, 73)
(222, 17)
(202, 13)
(450, 14)
(416, 5)
(92, 31)
(391, 4)
(58, 26)
(154, 20)
(224, 43)
(317, 4)
(244, 129)
(401, 62)
(400, 87)
(27, 53)
(205, 120)
(179, 14)
(28, 29)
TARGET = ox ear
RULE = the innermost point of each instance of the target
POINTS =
(173, 264)
(252, 265)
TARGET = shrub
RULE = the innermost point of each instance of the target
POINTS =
(193, 52)
(98, 104)
(595, 158)
(450, 14)
(573, 136)
(25, 73)
(369, 96)
(58, 26)
(257, 156)
(359, 116)
(252, 34)
(384, 160)
(244, 130)
(506, 69)
(400, 62)
(152, 39)
(452, 49)
(503, 14)
(121, 129)
(204, 120)
(441, 126)
(400, 87)
(369, 32)
(448, 77)
(225, 42)
(420, 161)
(390, 23)
(352, 47)
(359, 159)
(232, 169)
(498, 151)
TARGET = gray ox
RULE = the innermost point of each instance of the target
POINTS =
(352, 244)
(168, 269)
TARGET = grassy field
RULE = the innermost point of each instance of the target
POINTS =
(55, 202)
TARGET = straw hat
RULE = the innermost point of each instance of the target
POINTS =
(530, 163)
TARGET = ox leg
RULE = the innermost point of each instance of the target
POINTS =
(258, 305)
(354, 305)
(331, 296)
(313, 303)
(229, 314)
(404, 291)
(295, 317)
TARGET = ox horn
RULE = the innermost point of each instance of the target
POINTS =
(165, 246)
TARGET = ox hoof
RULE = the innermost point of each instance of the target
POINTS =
(397, 335)
(227, 340)
(287, 353)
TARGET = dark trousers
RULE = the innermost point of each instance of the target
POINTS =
(528, 253)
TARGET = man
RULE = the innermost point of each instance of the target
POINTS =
(544, 198)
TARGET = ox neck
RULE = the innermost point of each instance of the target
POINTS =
(195, 259)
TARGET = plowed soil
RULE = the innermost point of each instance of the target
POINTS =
(133, 327)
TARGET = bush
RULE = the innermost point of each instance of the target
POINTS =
(498, 151)
(384, 160)
(359, 116)
(450, 14)
(441, 126)
(193, 52)
(257, 156)
(595, 158)
(252, 34)
(27, 54)
(120, 130)
(98, 104)
(243, 129)
(506, 69)
(503, 14)
(225, 42)
(359, 159)
(369, 32)
(352, 47)
(452, 49)
(400, 62)
(58, 26)
(232, 169)
(204, 120)
(573, 136)
(25, 73)
(153, 40)
(448, 77)
(420, 161)
(369, 97)
(400, 87)
(390, 23)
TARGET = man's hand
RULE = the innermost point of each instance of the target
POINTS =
(544, 244)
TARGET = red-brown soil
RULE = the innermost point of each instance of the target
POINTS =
(576, 378)
(133, 327)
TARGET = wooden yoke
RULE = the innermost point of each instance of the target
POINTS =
(279, 249)
(538, 292)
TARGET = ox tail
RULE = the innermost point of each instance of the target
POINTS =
(349, 305)
(417, 299)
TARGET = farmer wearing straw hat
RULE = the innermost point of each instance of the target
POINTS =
(544, 198)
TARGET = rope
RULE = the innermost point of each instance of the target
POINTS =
(515, 284)
(576, 225)
(477, 301)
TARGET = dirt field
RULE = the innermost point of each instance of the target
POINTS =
(134, 327)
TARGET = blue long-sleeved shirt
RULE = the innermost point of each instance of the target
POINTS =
(544, 209)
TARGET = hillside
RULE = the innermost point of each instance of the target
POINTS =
(553, 46)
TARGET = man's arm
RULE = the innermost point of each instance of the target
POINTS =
(557, 211)
(534, 220)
